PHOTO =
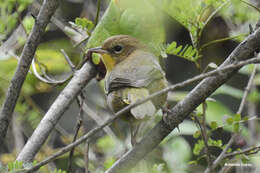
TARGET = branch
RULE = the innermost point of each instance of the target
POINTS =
(248, 151)
(182, 110)
(60, 105)
(43, 18)
(78, 125)
(109, 121)
(98, 12)
(248, 88)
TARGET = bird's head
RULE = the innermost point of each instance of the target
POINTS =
(117, 48)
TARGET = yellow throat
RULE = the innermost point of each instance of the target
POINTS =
(108, 61)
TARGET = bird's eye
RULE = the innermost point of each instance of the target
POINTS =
(117, 48)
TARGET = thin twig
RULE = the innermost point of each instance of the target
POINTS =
(86, 156)
(252, 111)
(205, 136)
(98, 119)
(247, 89)
(46, 78)
(247, 151)
(70, 63)
(98, 12)
(78, 125)
(218, 71)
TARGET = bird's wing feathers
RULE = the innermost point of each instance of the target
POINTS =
(142, 111)
(135, 74)
(140, 76)
(138, 71)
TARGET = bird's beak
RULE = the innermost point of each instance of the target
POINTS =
(106, 58)
(98, 50)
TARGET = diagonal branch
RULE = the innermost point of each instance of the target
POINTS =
(182, 110)
(60, 105)
(247, 151)
(43, 18)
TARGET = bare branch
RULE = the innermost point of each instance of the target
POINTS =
(46, 78)
(203, 129)
(43, 18)
(98, 12)
(70, 63)
(248, 151)
(86, 156)
(248, 88)
(78, 125)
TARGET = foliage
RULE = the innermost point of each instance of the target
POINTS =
(130, 17)
(10, 11)
(188, 52)
(85, 24)
(193, 15)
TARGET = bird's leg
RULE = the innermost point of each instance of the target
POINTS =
(167, 111)
(134, 128)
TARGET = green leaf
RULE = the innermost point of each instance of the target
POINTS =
(245, 118)
(96, 58)
(237, 117)
(229, 120)
(214, 125)
(198, 147)
(171, 47)
(193, 15)
(193, 162)
(229, 150)
(131, 18)
(188, 52)
(197, 134)
(84, 23)
(237, 13)
(236, 127)
(215, 143)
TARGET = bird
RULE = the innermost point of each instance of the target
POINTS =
(133, 72)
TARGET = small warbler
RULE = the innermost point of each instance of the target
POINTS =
(133, 73)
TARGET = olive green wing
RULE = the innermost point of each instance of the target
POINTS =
(137, 77)
(142, 111)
